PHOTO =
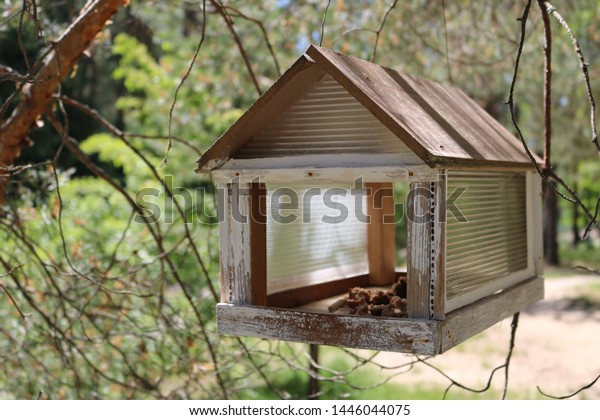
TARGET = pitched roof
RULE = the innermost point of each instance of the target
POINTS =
(440, 124)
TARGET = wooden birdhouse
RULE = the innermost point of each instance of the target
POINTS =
(307, 225)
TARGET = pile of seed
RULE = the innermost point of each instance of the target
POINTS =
(361, 301)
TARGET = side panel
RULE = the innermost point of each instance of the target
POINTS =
(489, 234)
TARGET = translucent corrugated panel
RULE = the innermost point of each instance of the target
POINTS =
(326, 119)
(314, 237)
(491, 242)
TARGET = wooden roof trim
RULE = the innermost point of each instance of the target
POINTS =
(375, 108)
(304, 72)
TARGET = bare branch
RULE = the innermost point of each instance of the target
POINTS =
(547, 86)
(380, 29)
(183, 79)
(323, 23)
(229, 22)
(564, 397)
(264, 32)
(584, 70)
(446, 41)
(589, 270)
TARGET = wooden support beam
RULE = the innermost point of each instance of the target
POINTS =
(419, 250)
(438, 247)
(243, 245)
(258, 244)
(380, 233)
(426, 283)
(361, 332)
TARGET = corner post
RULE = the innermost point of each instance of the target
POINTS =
(426, 274)
(242, 232)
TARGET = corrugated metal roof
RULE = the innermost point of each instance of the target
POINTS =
(440, 124)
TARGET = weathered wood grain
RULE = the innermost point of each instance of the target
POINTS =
(362, 332)
(419, 250)
(243, 245)
(438, 248)
(309, 175)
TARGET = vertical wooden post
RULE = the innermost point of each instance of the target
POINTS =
(243, 245)
(258, 244)
(380, 234)
(419, 250)
(426, 276)
(438, 247)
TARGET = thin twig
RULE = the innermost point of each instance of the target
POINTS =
(229, 22)
(380, 29)
(446, 41)
(323, 23)
(547, 86)
(545, 174)
(264, 32)
(183, 79)
(593, 220)
(564, 397)
(584, 70)
(589, 270)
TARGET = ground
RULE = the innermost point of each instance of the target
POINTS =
(557, 346)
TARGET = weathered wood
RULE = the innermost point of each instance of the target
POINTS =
(225, 248)
(322, 175)
(380, 233)
(438, 248)
(295, 297)
(363, 332)
(419, 250)
(243, 259)
(426, 337)
(328, 160)
(469, 320)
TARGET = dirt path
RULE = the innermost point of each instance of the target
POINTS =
(557, 347)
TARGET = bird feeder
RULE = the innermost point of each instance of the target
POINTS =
(292, 243)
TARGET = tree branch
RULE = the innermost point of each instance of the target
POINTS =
(36, 97)
(547, 86)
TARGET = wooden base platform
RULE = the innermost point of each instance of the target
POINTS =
(312, 323)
